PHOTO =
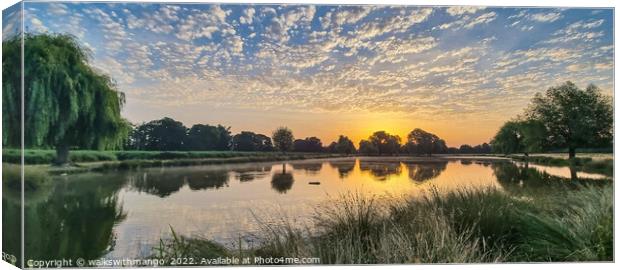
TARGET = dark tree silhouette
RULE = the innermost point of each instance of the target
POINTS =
(165, 134)
(206, 137)
(283, 139)
(310, 144)
(250, 141)
(425, 142)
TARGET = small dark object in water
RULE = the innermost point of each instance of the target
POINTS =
(314, 183)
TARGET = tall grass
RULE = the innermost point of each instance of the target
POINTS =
(483, 225)
(180, 247)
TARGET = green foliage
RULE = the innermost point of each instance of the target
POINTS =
(573, 117)
(67, 102)
(578, 227)
(283, 139)
(165, 134)
(206, 137)
(520, 136)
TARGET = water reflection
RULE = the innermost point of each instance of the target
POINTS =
(344, 167)
(165, 183)
(77, 222)
(423, 171)
(380, 170)
(251, 173)
(283, 181)
(528, 179)
(114, 214)
(309, 168)
(466, 162)
(207, 180)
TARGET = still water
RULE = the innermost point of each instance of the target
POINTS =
(124, 214)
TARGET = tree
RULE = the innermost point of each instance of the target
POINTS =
(165, 134)
(520, 136)
(385, 143)
(67, 102)
(508, 139)
(344, 145)
(426, 142)
(207, 137)
(310, 144)
(250, 141)
(466, 149)
(368, 148)
(283, 139)
(574, 117)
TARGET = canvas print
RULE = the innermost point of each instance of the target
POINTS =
(208, 134)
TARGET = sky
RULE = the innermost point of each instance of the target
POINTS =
(324, 70)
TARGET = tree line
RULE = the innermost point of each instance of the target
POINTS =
(167, 134)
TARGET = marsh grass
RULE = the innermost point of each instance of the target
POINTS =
(180, 247)
(464, 226)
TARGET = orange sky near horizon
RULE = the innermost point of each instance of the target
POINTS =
(329, 125)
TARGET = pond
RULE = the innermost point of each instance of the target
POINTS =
(124, 214)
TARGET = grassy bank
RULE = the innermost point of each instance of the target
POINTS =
(34, 179)
(104, 166)
(47, 156)
(466, 226)
(585, 164)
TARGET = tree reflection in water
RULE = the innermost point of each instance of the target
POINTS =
(308, 168)
(381, 170)
(282, 182)
(207, 180)
(76, 222)
(522, 180)
(423, 171)
(249, 174)
(164, 184)
(344, 167)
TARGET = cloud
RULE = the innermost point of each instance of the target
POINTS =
(545, 17)
(341, 59)
(248, 16)
(37, 24)
(57, 9)
(482, 19)
(469, 22)
(460, 10)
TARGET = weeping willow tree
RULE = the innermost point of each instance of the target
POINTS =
(67, 103)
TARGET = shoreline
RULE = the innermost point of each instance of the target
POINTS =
(583, 164)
